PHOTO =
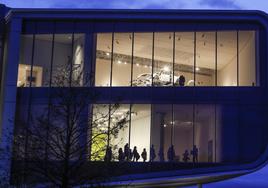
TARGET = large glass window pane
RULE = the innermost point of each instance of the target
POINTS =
(62, 60)
(103, 59)
(119, 127)
(227, 58)
(184, 59)
(25, 61)
(163, 59)
(42, 60)
(247, 58)
(142, 60)
(122, 52)
(162, 130)
(204, 132)
(140, 128)
(205, 59)
(78, 61)
(183, 132)
(100, 123)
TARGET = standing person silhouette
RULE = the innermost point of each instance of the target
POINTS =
(136, 155)
(152, 153)
(144, 155)
(194, 153)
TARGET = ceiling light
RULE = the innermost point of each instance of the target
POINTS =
(137, 64)
(197, 69)
(165, 125)
(145, 66)
(166, 68)
(107, 53)
(125, 63)
(119, 62)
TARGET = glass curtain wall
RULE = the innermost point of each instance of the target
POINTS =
(207, 58)
(183, 133)
(48, 60)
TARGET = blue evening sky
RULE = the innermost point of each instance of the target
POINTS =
(141, 4)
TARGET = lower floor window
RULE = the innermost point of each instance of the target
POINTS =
(158, 132)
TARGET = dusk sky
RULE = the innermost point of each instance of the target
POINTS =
(140, 4)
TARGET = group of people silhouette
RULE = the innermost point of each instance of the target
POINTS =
(127, 154)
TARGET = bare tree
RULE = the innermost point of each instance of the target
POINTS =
(62, 140)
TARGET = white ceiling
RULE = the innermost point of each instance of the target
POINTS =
(184, 46)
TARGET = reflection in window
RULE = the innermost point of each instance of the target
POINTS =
(37, 51)
(42, 60)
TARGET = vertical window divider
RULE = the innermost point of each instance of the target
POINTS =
(112, 60)
(153, 59)
(109, 125)
(237, 53)
(129, 128)
(132, 53)
(173, 59)
(72, 57)
(215, 102)
(29, 105)
(194, 58)
(172, 123)
(52, 56)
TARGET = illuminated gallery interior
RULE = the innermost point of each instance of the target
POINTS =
(222, 58)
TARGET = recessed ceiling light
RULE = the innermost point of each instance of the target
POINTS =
(165, 125)
(197, 69)
(107, 53)
(166, 68)
(137, 64)
(119, 62)
(125, 63)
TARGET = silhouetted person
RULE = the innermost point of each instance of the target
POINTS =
(181, 80)
(161, 155)
(136, 155)
(144, 155)
(171, 153)
(126, 152)
(186, 157)
(108, 154)
(120, 155)
(194, 153)
(152, 153)
(130, 155)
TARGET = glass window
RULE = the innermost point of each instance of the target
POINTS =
(247, 58)
(103, 59)
(184, 59)
(78, 61)
(25, 61)
(140, 128)
(161, 133)
(62, 60)
(142, 59)
(42, 60)
(204, 132)
(205, 59)
(163, 59)
(122, 52)
(227, 58)
(183, 132)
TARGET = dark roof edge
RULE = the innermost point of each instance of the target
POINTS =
(54, 11)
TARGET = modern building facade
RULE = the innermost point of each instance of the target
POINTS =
(187, 78)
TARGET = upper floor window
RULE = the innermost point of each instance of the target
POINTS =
(222, 58)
